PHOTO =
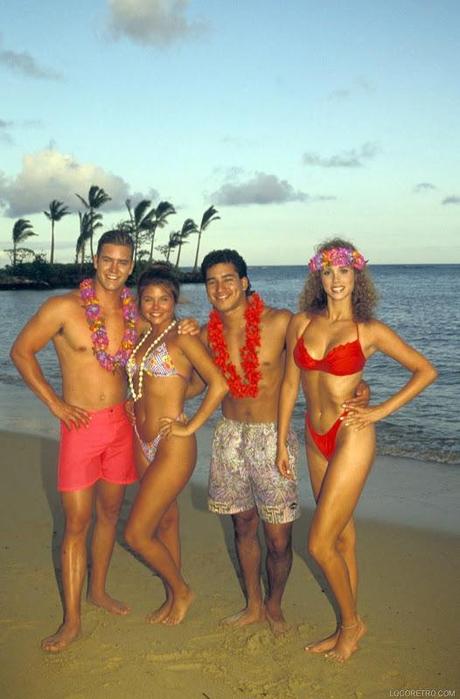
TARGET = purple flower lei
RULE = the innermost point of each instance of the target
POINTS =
(337, 257)
(96, 324)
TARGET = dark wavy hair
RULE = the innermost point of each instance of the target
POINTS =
(313, 298)
(226, 256)
(161, 275)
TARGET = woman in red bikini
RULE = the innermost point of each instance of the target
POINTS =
(328, 344)
(159, 370)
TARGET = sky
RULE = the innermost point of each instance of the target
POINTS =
(298, 120)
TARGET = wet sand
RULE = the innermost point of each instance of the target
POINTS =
(408, 596)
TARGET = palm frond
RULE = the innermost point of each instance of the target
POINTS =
(140, 210)
(83, 201)
(97, 196)
(57, 210)
(162, 211)
(174, 239)
(22, 229)
(208, 217)
(188, 227)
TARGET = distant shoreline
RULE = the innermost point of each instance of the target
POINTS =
(67, 277)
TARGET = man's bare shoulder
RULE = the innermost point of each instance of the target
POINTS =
(50, 319)
(278, 317)
(63, 303)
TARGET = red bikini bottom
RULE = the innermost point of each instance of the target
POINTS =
(325, 442)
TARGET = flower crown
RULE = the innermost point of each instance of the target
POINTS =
(337, 257)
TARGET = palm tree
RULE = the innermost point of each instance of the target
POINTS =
(173, 242)
(162, 211)
(96, 198)
(56, 212)
(140, 219)
(88, 224)
(189, 226)
(208, 217)
(22, 230)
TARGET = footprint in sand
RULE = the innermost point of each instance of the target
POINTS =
(259, 641)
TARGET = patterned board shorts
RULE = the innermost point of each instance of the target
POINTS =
(244, 474)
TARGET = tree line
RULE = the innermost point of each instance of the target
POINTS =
(142, 223)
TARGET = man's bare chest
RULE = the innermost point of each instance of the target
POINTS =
(78, 335)
(269, 351)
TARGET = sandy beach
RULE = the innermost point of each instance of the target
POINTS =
(409, 597)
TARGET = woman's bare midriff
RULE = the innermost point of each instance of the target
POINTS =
(325, 395)
(165, 391)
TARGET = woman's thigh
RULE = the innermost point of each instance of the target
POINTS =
(163, 480)
(141, 462)
(317, 467)
(344, 478)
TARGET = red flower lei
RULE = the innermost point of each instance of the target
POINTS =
(247, 387)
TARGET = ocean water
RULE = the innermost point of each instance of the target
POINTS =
(419, 301)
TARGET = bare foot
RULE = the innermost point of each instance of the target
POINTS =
(324, 645)
(245, 617)
(276, 621)
(64, 636)
(109, 604)
(160, 614)
(347, 642)
(179, 608)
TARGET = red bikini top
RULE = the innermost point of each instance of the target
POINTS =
(341, 360)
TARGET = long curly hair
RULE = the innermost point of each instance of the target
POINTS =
(313, 298)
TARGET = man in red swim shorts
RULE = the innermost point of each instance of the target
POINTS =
(92, 329)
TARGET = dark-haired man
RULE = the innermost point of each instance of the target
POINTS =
(247, 341)
(92, 330)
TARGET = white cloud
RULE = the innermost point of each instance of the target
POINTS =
(347, 159)
(155, 22)
(49, 175)
(261, 189)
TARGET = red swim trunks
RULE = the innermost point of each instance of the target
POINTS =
(103, 449)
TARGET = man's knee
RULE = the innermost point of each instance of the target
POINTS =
(77, 524)
(108, 513)
(245, 524)
(108, 510)
(278, 540)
